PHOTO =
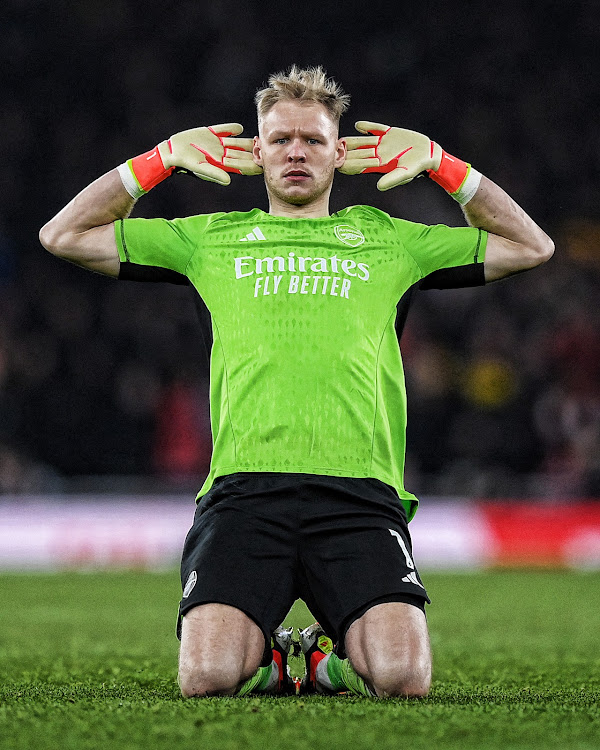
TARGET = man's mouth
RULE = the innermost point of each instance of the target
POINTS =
(296, 175)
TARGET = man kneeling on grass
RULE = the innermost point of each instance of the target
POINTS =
(305, 495)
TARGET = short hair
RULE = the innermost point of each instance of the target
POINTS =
(306, 84)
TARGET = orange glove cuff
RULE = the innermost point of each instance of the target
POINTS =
(149, 169)
(451, 173)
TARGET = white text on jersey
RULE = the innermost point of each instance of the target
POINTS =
(247, 265)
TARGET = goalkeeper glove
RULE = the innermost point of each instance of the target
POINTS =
(403, 155)
(208, 153)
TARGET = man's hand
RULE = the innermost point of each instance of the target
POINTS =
(210, 153)
(401, 154)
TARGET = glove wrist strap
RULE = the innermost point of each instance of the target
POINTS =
(143, 172)
(457, 177)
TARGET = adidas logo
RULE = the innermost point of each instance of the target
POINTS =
(255, 234)
(412, 578)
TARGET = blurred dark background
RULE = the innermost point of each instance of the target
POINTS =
(103, 384)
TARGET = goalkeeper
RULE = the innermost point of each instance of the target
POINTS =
(305, 496)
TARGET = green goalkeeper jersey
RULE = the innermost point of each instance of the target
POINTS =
(305, 373)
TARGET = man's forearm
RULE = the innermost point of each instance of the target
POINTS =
(83, 232)
(102, 202)
(516, 243)
(492, 209)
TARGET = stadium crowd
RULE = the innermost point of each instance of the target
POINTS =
(110, 378)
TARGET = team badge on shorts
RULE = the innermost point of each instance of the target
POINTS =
(189, 584)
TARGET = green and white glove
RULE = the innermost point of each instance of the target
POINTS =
(403, 155)
(209, 153)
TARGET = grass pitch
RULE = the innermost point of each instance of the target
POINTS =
(89, 661)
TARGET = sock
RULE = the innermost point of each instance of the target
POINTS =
(264, 680)
(323, 681)
(337, 674)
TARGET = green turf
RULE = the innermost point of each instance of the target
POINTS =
(89, 661)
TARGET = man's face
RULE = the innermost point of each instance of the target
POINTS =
(299, 150)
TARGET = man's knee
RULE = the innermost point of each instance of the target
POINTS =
(389, 647)
(395, 679)
(203, 682)
(210, 664)
(203, 677)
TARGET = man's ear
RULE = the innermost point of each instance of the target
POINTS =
(341, 152)
(256, 152)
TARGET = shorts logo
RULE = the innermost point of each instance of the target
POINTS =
(349, 235)
(412, 578)
(190, 583)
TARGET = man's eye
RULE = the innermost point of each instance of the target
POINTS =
(313, 141)
(281, 140)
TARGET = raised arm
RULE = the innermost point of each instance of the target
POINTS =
(515, 242)
(83, 231)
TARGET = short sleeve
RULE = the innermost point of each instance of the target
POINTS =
(439, 246)
(150, 247)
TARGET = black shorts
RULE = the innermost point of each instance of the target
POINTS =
(262, 540)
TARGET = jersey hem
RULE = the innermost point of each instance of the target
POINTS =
(408, 500)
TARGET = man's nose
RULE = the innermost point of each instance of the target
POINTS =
(296, 151)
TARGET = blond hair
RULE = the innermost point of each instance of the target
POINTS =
(306, 84)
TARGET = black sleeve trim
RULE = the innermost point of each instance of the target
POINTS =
(476, 256)
(402, 309)
(136, 272)
(206, 331)
(125, 250)
(456, 277)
